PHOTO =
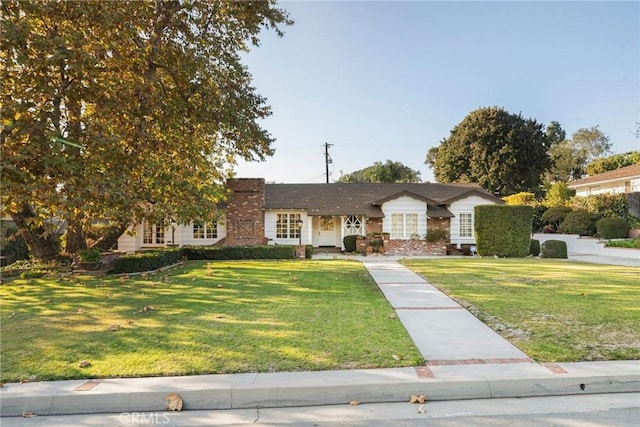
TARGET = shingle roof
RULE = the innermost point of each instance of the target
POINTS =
(364, 199)
(632, 171)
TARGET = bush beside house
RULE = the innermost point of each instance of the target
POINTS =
(503, 231)
(579, 221)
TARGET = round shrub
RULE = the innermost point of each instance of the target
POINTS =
(612, 228)
(554, 249)
(578, 222)
(350, 243)
(534, 247)
(553, 217)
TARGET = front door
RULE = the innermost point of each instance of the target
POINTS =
(327, 235)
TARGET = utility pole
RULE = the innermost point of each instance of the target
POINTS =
(327, 159)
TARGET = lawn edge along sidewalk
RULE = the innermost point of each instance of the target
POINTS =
(287, 389)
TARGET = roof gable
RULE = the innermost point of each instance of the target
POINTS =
(403, 193)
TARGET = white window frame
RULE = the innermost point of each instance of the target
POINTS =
(152, 234)
(288, 226)
(404, 226)
(465, 225)
(205, 230)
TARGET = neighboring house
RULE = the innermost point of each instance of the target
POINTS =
(623, 180)
(322, 214)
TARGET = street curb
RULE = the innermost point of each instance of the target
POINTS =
(288, 389)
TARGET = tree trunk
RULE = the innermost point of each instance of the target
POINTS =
(109, 240)
(43, 244)
(76, 237)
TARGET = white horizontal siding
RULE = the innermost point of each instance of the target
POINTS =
(131, 240)
(405, 205)
(458, 207)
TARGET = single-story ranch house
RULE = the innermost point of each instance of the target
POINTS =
(323, 214)
(623, 180)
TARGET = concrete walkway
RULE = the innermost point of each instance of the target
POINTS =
(465, 360)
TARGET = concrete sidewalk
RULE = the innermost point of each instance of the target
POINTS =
(465, 360)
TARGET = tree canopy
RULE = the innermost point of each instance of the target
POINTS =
(123, 111)
(503, 152)
(383, 172)
(610, 163)
(570, 157)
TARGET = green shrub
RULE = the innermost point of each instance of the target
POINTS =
(349, 243)
(604, 205)
(502, 230)
(146, 261)
(553, 249)
(89, 255)
(579, 222)
(612, 228)
(553, 217)
(240, 252)
(436, 235)
(308, 251)
(629, 243)
(534, 247)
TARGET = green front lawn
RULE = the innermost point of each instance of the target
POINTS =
(202, 317)
(553, 310)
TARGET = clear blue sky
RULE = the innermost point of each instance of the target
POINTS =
(388, 80)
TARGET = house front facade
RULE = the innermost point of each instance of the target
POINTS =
(323, 214)
(623, 180)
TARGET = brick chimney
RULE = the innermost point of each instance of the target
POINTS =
(245, 212)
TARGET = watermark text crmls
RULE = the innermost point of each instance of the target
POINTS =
(144, 418)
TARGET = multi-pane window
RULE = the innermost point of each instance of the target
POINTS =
(152, 234)
(208, 230)
(466, 225)
(404, 225)
(288, 226)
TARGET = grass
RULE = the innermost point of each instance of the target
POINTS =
(628, 243)
(553, 310)
(202, 317)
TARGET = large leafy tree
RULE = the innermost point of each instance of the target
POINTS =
(571, 156)
(124, 111)
(610, 163)
(383, 172)
(503, 152)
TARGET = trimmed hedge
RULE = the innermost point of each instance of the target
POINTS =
(612, 228)
(579, 222)
(349, 243)
(503, 230)
(534, 247)
(554, 249)
(240, 252)
(146, 261)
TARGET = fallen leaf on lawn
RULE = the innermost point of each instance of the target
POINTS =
(124, 278)
(80, 311)
(108, 294)
(395, 357)
(220, 286)
(354, 403)
(114, 328)
(174, 402)
(144, 275)
(84, 364)
(147, 308)
(47, 301)
(418, 399)
(28, 414)
(129, 322)
(393, 316)
(421, 410)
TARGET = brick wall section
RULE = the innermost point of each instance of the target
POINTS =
(414, 247)
(245, 213)
(374, 225)
(443, 224)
